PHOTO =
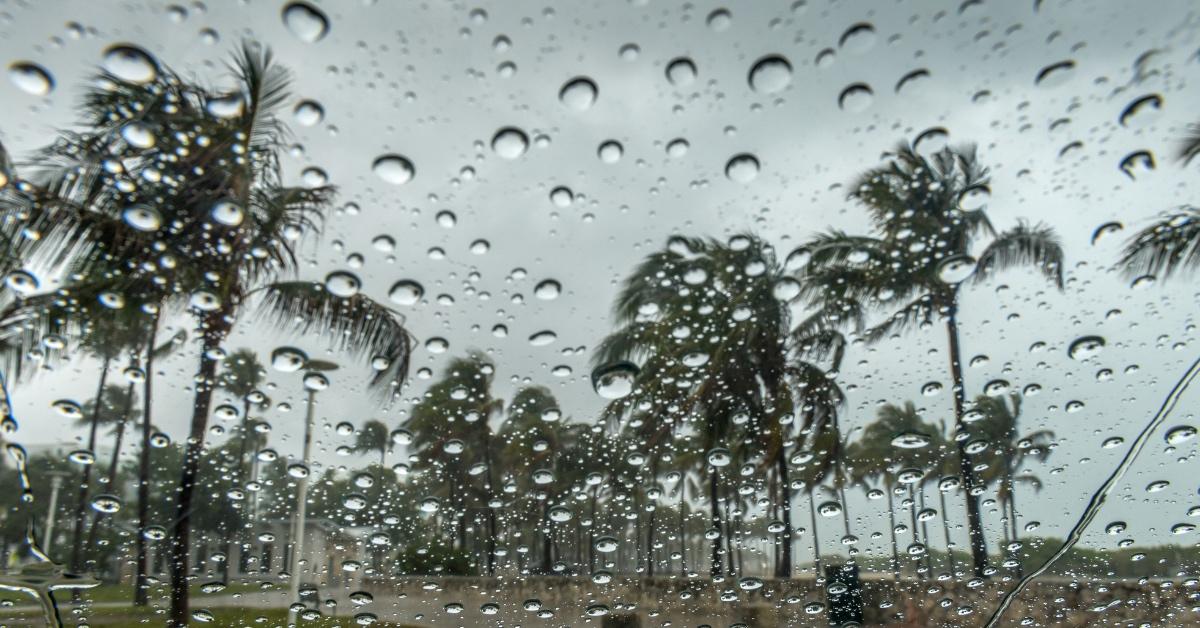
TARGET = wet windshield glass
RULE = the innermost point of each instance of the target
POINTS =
(626, 313)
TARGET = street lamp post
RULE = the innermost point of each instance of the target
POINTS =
(314, 381)
(56, 478)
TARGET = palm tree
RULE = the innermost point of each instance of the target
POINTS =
(118, 405)
(107, 338)
(709, 323)
(1008, 451)
(373, 436)
(535, 438)
(241, 375)
(928, 219)
(224, 209)
(451, 433)
(899, 439)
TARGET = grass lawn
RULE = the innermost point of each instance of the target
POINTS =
(225, 617)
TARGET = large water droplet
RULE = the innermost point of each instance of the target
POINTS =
(1142, 111)
(342, 284)
(31, 78)
(305, 21)
(681, 72)
(856, 98)
(719, 20)
(579, 93)
(510, 143)
(406, 292)
(288, 359)
(130, 63)
(394, 169)
(742, 168)
(614, 381)
(547, 290)
(770, 74)
(308, 113)
(142, 218)
(1085, 347)
(911, 440)
(859, 38)
(1180, 434)
(610, 152)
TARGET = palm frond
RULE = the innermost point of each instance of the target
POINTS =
(1169, 246)
(357, 325)
(1189, 148)
(917, 312)
(1023, 245)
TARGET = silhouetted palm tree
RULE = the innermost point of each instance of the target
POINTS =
(373, 436)
(1008, 450)
(928, 216)
(708, 321)
(451, 434)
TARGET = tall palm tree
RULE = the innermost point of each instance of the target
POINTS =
(119, 404)
(373, 436)
(709, 323)
(452, 433)
(1008, 452)
(224, 209)
(535, 440)
(107, 338)
(899, 439)
(240, 377)
(931, 236)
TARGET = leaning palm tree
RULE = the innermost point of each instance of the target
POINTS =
(931, 237)
(371, 437)
(223, 207)
(1008, 451)
(709, 323)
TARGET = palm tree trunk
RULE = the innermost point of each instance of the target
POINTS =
(650, 524)
(716, 521)
(841, 489)
(979, 557)
(925, 535)
(1012, 515)
(812, 513)
(110, 479)
(86, 474)
(895, 543)
(141, 584)
(728, 534)
(546, 532)
(217, 327)
(683, 544)
(785, 499)
(946, 531)
(912, 511)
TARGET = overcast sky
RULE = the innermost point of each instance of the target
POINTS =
(429, 81)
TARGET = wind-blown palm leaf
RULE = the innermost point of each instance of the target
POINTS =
(1167, 247)
(1189, 148)
(1023, 245)
(354, 324)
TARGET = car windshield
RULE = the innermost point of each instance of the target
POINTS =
(634, 313)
